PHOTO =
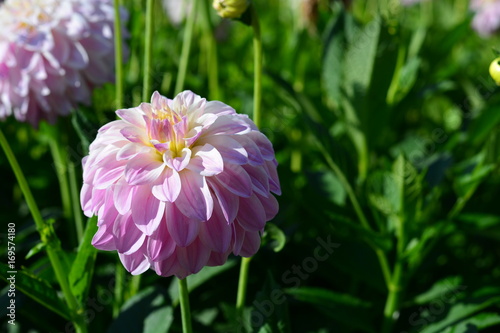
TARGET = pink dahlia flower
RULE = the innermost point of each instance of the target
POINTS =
(52, 53)
(179, 184)
(487, 18)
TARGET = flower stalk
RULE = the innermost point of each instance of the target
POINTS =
(146, 86)
(185, 310)
(257, 53)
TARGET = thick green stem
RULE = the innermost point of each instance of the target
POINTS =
(75, 202)
(118, 57)
(185, 311)
(48, 237)
(186, 48)
(146, 83)
(257, 55)
(242, 286)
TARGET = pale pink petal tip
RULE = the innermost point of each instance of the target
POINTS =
(180, 184)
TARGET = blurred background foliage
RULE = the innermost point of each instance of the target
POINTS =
(398, 98)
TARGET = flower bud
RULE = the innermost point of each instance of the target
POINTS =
(495, 70)
(230, 8)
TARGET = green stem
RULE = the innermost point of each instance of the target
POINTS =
(384, 265)
(257, 54)
(73, 185)
(186, 48)
(185, 311)
(393, 298)
(47, 235)
(146, 85)
(118, 56)
(61, 166)
(119, 283)
(242, 286)
(212, 63)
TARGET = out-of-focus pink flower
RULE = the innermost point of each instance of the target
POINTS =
(52, 54)
(179, 184)
(487, 18)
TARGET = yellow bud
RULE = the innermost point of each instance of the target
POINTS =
(495, 70)
(230, 8)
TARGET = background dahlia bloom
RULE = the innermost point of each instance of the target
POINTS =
(179, 184)
(487, 18)
(52, 53)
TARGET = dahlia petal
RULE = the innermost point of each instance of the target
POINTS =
(251, 244)
(193, 257)
(177, 163)
(103, 239)
(133, 134)
(128, 238)
(207, 161)
(251, 215)
(147, 210)
(132, 116)
(265, 146)
(254, 154)
(136, 263)
(106, 177)
(182, 229)
(260, 179)
(238, 238)
(270, 205)
(236, 180)
(228, 202)
(227, 125)
(122, 197)
(231, 150)
(218, 108)
(274, 182)
(130, 150)
(217, 259)
(216, 232)
(195, 199)
(160, 243)
(143, 169)
(169, 267)
(86, 199)
(169, 190)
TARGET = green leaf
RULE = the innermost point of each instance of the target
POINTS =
(448, 287)
(274, 236)
(484, 124)
(459, 312)
(338, 306)
(196, 280)
(270, 304)
(36, 288)
(359, 60)
(82, 269)
(476, 323)
(147, 311)
(333, 59)
(35, 249)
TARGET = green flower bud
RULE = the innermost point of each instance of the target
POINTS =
(495, 70)
(230, 8)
